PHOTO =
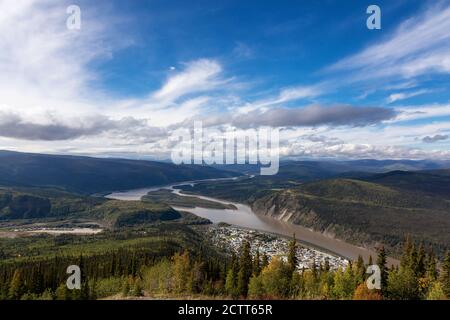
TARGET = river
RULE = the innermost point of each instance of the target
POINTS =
(243, 216)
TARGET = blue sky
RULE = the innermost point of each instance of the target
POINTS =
(137, 70)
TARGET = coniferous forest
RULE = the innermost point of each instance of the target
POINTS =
(170, 273)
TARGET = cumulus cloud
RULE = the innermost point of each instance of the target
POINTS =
(314, 115)
(360, 151)
(46, 92)
(13, 125)
(435, 138)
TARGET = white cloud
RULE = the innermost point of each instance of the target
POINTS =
(406, 95)
(419, 45)
(199, 75)
(421, 112)
(46, 92)
(285, 95)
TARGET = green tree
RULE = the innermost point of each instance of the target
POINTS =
(445, 275)
(431, 265)
(182, 273)
(276, 278)
(264, 261)
(63, 293)
(292, 254)
(402, 284)
(339, 286)
(256, 287)
(17, 286)
(257, 263)
(126, 287)
(381, 262)
(245, 269)
(360, 269)
(420, 263)
(231, 279)
(436, 292)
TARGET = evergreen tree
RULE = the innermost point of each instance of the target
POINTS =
(408, 249)
(381, 262)
(402, 284)
(314, 269)
(431, 265)
(327, 267)
(360, 269)
(257, 264)
(231, 279)
(419, 266)
(292, 254)
(245, 269)
(264, 261)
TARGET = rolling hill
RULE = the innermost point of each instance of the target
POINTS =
(362, 212)
(88, 175)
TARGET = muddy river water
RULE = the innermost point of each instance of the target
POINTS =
(243, 216)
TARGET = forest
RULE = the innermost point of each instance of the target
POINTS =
(129, 273)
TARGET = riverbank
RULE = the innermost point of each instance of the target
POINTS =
(243, 216)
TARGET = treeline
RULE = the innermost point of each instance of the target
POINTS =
(254, 277)
(137, 272)
(46, 278)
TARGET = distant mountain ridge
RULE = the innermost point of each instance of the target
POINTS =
(88, 175)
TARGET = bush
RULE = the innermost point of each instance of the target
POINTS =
(108, 286)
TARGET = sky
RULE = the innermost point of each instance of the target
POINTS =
(136, 71)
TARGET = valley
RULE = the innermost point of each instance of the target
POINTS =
(336, 215)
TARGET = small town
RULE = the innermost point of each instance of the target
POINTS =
(231, 237)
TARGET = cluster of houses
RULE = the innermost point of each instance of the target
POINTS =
(231, 238)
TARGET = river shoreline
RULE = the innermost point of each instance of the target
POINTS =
(244, 217)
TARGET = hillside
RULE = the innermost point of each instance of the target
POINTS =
(434, 182)
(19, 205)
(362, 212)
(88, 175)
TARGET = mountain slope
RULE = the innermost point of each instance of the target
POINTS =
(88, 175)
(362, 212)
(434, 182)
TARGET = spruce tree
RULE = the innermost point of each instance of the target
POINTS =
(292, 254)
(360, 269)
(264, 261)
(407, 252)
(245, 269)
(431, 265)
(327, 265)
(231, 279)
(381, 262)
(419, 266)
(257, 264)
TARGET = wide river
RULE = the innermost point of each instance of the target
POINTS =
(245, 217)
